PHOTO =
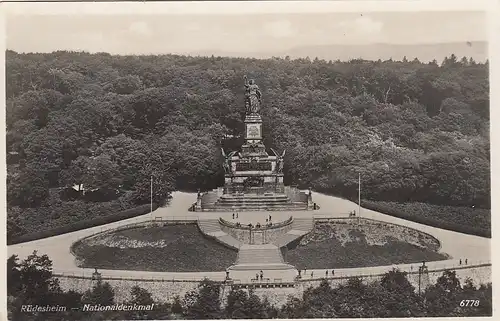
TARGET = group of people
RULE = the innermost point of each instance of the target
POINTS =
(352, 214)
(258, 225)
(460, 262)
(312, 273)
(259, 275)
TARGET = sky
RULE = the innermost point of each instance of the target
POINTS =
(147, 33)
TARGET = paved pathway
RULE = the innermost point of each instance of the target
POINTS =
(457, 245)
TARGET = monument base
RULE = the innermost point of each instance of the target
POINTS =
(220, 200)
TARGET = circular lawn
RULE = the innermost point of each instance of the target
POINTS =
(172, 248)
(349, 243)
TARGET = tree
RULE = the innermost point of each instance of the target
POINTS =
(115, 121)
(29, 188)
(101, 293)
(101, 173)
(401, 301)
(243, 305)
(203, 303)
(14, 285)
(126, 85)
(142, 297)
(442, 299)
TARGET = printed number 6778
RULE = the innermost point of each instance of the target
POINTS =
(469, 303)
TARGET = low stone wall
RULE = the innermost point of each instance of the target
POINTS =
(161, 291)
(209, 198)
(479, 274)
(295, 195)
(263, 235)
(166, 290)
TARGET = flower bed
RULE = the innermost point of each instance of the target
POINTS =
(173, 248)
(345, 244)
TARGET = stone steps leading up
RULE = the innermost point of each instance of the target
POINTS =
(211, 228)
(288, 207)
(300, 227)
(263, 267)
(285, 239)
(260, 257)
(214, 201)
(303, 224)
(253, 201)
(254, 196)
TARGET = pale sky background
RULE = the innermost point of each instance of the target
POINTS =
(238, 33)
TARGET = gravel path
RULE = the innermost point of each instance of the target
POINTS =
(457, 245)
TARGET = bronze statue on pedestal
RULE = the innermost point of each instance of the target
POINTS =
(253, 97)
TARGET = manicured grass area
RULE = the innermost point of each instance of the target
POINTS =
(343, 247)
(463, 219)
(173, 248)
(58, 217)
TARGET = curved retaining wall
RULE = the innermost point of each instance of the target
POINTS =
(130, 226)
(393, 228)
(262, 235)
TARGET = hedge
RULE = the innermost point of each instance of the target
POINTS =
(465, 229)
(129, 213)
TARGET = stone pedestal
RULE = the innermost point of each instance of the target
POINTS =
(253, 179)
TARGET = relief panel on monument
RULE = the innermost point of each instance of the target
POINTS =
(254, 182)
(254, 166)
(253, 131)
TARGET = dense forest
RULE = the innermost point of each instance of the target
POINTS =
(31, 282)
(417, 132)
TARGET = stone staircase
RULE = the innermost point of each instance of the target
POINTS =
(211, 228)
(300, 227)
(251, 202)
(260, 257)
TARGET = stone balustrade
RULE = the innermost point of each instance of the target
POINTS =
(256, 235)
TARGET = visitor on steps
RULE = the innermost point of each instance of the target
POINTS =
(326, 273)
(312, 274)
(460, 262)
(233, 216)
(465, 261)
(333, 272)
(257, 276)
(236, 214)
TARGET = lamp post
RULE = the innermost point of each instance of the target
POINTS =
(151, 201)
(359, 194)
(421, 270)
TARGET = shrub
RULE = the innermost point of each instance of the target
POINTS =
(80, 225)
(473, 222)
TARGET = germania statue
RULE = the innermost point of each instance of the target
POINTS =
(253, 97)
